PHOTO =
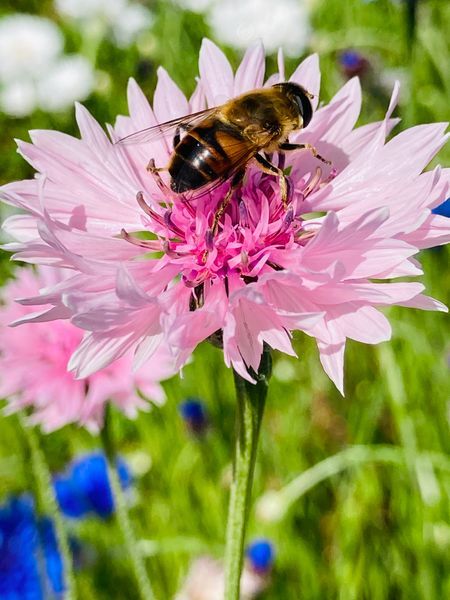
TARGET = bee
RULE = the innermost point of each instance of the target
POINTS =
(218, 143)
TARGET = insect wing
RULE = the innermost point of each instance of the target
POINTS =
(159, 131)
(239, 152)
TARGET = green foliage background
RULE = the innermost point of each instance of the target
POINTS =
(376, 529)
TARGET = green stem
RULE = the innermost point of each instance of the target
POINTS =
(49, 506)
(273, 505)
(250, 408)
(121, 513)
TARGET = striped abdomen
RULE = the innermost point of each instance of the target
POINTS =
(201, 156)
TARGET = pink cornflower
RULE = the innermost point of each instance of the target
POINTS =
(144, 270)
(33, 366)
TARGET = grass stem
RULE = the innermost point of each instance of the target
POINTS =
(49, 506)
(121, 513)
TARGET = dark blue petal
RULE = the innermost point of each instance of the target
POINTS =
(53, 561)
(443, 209)
(71, 502)
(85, 487)
(19, 545)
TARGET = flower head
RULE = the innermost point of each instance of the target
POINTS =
(28, 46)
(34, 357)
(353, 63)
(282, 24)
(260, 554)
(124, 19)
(194, 414)
(146, 270)
(84, 488)
(70, 78)
(34, 72)
(30, 563)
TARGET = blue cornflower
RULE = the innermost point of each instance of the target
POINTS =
(53, 560)
(350, 59)
(353, 63)
(194, 414)
(443, 209)
(30, 563)
(84, 488)
(260, 555)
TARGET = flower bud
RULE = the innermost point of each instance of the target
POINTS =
(194, 415)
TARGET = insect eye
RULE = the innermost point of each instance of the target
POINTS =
(305, 107)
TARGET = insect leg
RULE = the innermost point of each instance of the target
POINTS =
(271, 169)
(235, 182)
(286, 147)
(155, 171)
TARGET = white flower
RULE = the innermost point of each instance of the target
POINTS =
(124, 19)
(28, 45)
(282, 24)
(83, 10)
(284, 370)
(135, 19)
(18, 98)
(205, 581)
(270, 508)
(70, 78)
(198, 6)
(33, 70)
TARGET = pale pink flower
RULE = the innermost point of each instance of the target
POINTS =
(267, 271)
(205, 581)
(33, 366)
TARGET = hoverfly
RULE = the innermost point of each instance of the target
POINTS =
(219, 142)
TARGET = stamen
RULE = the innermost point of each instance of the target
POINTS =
(147, 244)
(199, 296)
(313, 182)
(171, 225)
(288, 219)
(243, 214)
(167, 250)
(196, 282)
(331, 176)
(167, 220)
(187, 204)
(304, 236)
(149, 211)
(289, 190)
(143, 204)
(209, 239)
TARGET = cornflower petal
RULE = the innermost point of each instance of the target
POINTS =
(35, 357)
(307, 74)
(250, 73)
(215, 74)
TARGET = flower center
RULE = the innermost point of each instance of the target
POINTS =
(250, 237)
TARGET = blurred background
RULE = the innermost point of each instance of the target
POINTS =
(374, 521)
